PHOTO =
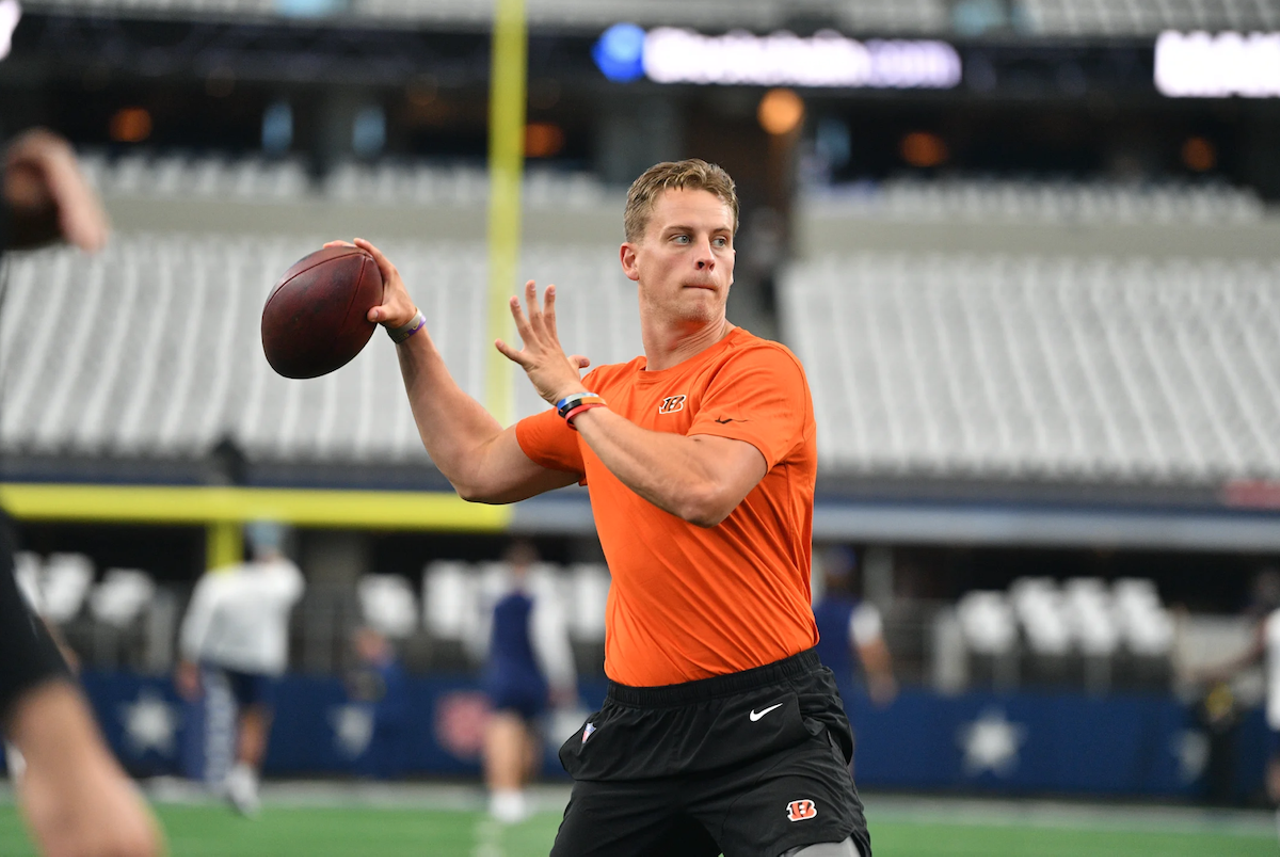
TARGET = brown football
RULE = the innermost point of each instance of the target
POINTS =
(316, 318)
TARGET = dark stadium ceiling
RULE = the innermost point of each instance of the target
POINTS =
(51, 47)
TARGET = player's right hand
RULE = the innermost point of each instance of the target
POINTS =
(187, 680)
(397, 308)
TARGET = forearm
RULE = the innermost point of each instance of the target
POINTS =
(669, 470)
(454, 427)
(52, 726)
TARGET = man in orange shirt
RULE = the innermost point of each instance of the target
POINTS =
(721, 732)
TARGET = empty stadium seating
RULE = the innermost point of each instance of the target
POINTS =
(971, 367)
(1143, 17)
(874, 16)
(200, 176)
(1091, 369)
(157, 351)
(1119, 18)
(1083, 631)
(984, 200)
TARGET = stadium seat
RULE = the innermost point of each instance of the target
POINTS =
(388, 604)
(987, 623)
(448, 599)
(67, 578)
(589, 589)
(28, 571)
(121, 596)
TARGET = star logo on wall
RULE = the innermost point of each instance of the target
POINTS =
(352, 728)
(991, 743)
(1191, 747)
(150, 723)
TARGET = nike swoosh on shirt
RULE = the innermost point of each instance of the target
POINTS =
(756, 715)
(725, 420)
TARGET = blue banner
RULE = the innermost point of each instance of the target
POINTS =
(1023, 743)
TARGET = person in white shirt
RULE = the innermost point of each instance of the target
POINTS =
(237, 630)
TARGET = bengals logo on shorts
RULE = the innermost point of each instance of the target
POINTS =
(801, 810)
(671, 404)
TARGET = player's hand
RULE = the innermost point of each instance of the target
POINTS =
(48, 196)
(397, 308)
(186, 678)
(883, 690)
(553, 374)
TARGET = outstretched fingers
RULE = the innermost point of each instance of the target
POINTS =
(549, 312)
(512, 354)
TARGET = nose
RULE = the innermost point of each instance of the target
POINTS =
(705, 260)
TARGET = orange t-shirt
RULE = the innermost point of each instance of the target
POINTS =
(689, 602)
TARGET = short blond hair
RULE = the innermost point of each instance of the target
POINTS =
(691, 174)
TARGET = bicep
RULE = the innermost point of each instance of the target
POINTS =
(507, 475)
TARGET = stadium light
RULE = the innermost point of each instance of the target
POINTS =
(625, 52)
(1200, 65)
(619, 54)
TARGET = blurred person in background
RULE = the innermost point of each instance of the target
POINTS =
(850, 630)
(1264, 611)
(528, 666)
(76, 798)
(236, 631)
(379, 681)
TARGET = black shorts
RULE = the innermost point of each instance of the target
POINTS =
(248, 689)
(749, 764)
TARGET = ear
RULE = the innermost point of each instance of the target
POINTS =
(627, 255)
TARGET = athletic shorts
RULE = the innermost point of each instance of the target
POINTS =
(249, 688)
(750, 764)
(1273, 744)
(520, 692)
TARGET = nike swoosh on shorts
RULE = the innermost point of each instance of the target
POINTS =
(756, 715)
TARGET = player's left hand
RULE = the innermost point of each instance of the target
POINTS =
(553, 374)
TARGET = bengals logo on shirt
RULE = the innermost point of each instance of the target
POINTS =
(801, 810)
(671, 404)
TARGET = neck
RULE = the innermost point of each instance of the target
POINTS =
(668, 345)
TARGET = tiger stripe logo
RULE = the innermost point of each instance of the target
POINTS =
(671, 404)
(801, 810)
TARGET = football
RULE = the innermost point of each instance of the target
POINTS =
(316, 318)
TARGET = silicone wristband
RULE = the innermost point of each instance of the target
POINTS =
(573, 413)
(400, 334)
(568, 403)
(563, 405)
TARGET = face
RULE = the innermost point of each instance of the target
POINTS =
(684, 261)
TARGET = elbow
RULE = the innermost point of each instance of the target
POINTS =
(706, 508)
(473, 493)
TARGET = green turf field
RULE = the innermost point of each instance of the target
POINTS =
(210, 830)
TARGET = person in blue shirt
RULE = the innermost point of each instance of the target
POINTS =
(529, 666)
(380, 682)
(851, 631)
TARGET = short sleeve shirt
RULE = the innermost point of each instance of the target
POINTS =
(689, 602)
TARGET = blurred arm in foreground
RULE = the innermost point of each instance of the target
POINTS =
(76, 799)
